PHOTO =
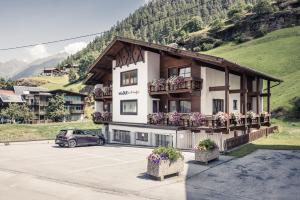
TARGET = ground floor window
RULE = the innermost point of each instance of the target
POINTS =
(163, 140)
(142, 136)
(121, 136)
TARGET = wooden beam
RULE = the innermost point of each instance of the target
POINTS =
(217, 88)
(226, 90)
(245, 94)
(235, 91)
(269, 94)
(257, 95)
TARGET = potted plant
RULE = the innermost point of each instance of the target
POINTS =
(236, 118)
(196, 118)
(159, 84)
(98, 92)
(206, 151)
(97, 116)
(250, 116)
(164, 161)
(221, 118)
(157, 117)
(175, 82)
(264, 116)
(174, 118)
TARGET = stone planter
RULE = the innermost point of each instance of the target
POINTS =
(164, 168)
(206, 156)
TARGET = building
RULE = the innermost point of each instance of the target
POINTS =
(52, 71)
(149, 94)
(74, 103)
(37, 98)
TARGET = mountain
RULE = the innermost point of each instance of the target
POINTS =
(11, 67)
(37, 66)
(159, 21)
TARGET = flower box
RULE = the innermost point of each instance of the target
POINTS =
(206, 155)
(164, 168)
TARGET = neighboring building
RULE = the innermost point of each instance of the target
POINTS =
(53, 71)
(74, 103)
(37, 99)
(135, 109)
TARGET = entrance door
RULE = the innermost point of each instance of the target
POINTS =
(155, 106)
(163, 140)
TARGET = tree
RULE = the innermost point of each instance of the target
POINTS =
(17, 112)
(216, 25)
(84, 64)
(56, 109)
(72, 76)
(263, 7)
(193, 25)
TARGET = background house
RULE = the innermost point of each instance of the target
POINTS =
(74, 103)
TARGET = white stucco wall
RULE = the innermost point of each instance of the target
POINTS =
(254, 107)
(211, 78)
(147, 71)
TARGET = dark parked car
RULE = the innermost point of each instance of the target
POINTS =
(74, 137)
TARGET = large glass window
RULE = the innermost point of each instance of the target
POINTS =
(121, 136)
(129, 107)
(129, 78)
(185, 106)
(185, 72)
(218, 106)
(173, 72)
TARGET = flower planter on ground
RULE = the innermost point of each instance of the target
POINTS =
(206, 155)
(164, 168)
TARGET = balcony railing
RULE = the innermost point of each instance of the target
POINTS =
(174, 85)
(103, 93)
(100, 118)
(196, 120)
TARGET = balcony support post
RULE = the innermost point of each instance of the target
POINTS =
(258, 99)
(268, 95)
(227, 95)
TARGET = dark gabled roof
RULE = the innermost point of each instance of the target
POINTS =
(105, 58)
(66, 92)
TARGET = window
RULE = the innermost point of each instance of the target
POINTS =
(129, 107)
(121, 136)
(172, 72)
(142, 136)
(185, 72)
(129, 78)
(218, 106)
(235, 104)
(185, 106)
(172, 106)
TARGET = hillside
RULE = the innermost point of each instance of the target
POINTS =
(277, 53)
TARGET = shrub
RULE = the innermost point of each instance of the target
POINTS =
(164, 153)
(207, 46)
(263, 7)
(206, 145)
(216, 25)
(262, 31)
(241, 38)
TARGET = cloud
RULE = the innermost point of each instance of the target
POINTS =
(38, 51)
(74, 47)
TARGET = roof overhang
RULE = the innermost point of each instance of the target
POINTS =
(104, 61)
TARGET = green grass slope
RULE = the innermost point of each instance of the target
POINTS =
(277, 53)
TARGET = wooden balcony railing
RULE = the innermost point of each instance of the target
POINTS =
(181, 86)
(103, 93)
(101, 118)
(208, 121)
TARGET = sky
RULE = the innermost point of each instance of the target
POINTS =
(25, 22)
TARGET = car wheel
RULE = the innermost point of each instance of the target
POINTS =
(61, 145)
(72, 143)
(100, 142)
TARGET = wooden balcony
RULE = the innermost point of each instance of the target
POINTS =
(102, 118)
(209, 122)
(103, 93)
(186, 85)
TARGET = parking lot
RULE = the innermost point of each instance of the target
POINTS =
(40, 170)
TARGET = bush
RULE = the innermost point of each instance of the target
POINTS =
(207, 145)
(262, 31)
(263, 7)
(193, 25)
(207, 46)
(242, 38)
(216, 25)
